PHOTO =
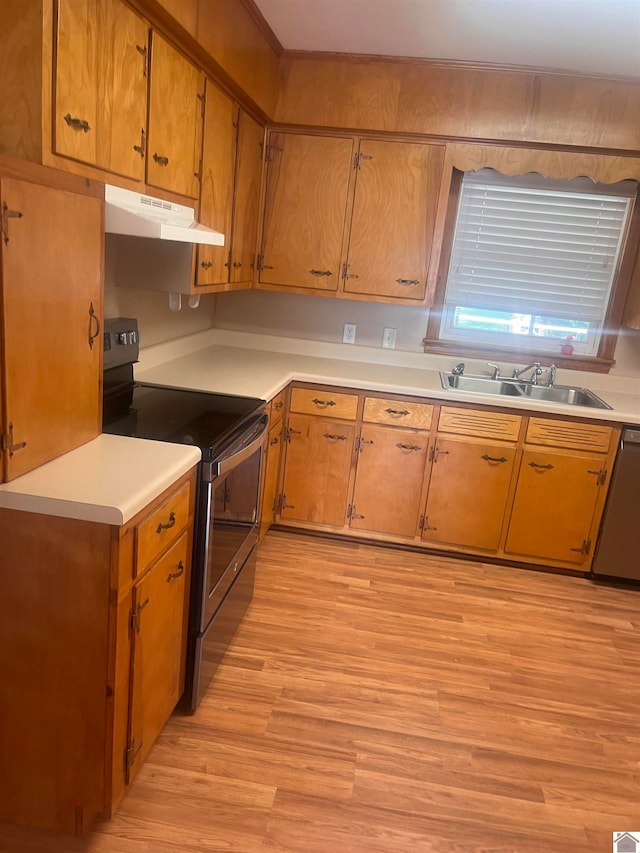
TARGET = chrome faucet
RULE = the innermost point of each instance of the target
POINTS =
(536, 368)
(458, 370)
(496, 370)
(552, 375)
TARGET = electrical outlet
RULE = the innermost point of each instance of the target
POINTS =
(349, 333)
(389, 338)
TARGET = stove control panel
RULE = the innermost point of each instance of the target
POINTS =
(121, 341)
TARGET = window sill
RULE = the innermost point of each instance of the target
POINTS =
(572, 362)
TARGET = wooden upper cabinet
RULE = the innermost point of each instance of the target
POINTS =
(305, 208)
(394, 209)
(51, 295)
(176, 99)
(100, 94)
(231, 173)
(218, 171)
(247, 198)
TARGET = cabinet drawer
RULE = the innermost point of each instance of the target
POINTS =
(330, 403)
(276, 408)
(397, 413)
(159, 529)
(569, 434)
(478, 422)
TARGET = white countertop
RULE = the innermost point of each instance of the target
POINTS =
(261, 366)
(108, 480)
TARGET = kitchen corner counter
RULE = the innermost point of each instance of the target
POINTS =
(108, 480)
(261, 366)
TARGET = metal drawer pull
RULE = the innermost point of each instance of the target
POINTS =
(237, 265)
(493, 458)
(78, 123)
(206, 265)
(177, 574)
(323, 402)
(279, 405)
(397, 411)
(408, 446)
(274, 440)
(334, 436)
(541, 467)
(408, 282)
(161, 161)
(320, 272)
(168, 525)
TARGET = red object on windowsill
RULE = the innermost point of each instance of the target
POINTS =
(567, 347)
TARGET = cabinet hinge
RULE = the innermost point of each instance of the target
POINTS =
(201, 99)
(198, 174)
(356, 160)
(5, 216)
(7, 444)
(260, 264)
(351, 512)
(130, 753)
(584, 548)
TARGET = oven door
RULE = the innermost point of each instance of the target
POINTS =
(229, 524)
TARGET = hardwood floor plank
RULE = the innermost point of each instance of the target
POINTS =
(381, 701)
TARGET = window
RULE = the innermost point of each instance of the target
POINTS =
(533, 262)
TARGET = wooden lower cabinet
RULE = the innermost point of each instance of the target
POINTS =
(468, 493)
(98, 642)
(389, 480)
(270, 478)
(316, 478)
(554, 506)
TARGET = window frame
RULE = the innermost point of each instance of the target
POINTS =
(600, 363)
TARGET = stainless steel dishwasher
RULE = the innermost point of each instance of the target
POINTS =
(618, 551)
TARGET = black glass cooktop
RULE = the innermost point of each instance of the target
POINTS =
(208, 421)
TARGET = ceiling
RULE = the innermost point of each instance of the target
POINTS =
(588, 36)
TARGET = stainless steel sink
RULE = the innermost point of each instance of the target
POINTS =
(504, 387)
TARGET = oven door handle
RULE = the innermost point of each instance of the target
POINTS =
(222, 466)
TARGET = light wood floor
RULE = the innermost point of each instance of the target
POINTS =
(378, 701)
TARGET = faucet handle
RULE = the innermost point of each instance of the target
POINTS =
(458, 370)
(496, 370)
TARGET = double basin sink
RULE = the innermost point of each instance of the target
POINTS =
(503, 387)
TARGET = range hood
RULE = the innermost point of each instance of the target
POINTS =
(138, 215)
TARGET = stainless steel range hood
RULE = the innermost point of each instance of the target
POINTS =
(139, 215)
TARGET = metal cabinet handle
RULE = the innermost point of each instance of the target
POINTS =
(237, 265)
(141, 149)
(94, 326)
(488, 458)
(206, 264)
(541, 467)
(171, 523)
(139, 610)
(408, 446)
(408, 282)
(143, 52)
(177, 574)
(274, 440)
(279, 405)
(351, 512)
(321, 272)
(323, 402)
(161, 161)
(77, 123)
(397, 411)
(334, 436)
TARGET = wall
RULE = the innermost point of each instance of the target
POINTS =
(157, 323)
(320, 319)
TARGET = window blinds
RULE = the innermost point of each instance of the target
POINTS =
(534, 246)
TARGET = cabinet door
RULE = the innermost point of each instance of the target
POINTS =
(270, 478)
(554, 505)
(468, 492)
(76, 80)
(316, 477)
(216, 198)
(176, 97)
(51, 289)
(122, 90)
(305, 207)
(389, 478)
(394, 211)
(247, 198)
(159, 644)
